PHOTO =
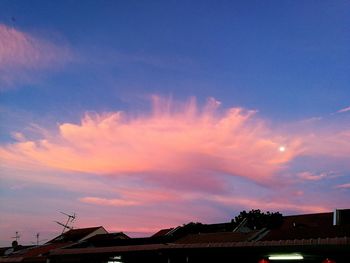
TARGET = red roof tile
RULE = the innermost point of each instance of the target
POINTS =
(216, 237)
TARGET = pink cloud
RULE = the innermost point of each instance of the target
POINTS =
(108, 202)
(22, 54)
(331, 143)
(343, 186)
(311, 176)
(271, 205)
(175, 139)
(138, 197)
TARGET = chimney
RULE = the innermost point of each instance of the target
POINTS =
(341, 217)
(336, 217)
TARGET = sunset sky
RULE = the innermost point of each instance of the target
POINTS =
(142, 115)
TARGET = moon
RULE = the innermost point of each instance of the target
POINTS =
(282, 148)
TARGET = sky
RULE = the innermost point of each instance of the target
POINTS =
(142, 115)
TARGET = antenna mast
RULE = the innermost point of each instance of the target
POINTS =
(17, 236)
(70, 219)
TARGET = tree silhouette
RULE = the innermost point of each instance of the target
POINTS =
(255, 219)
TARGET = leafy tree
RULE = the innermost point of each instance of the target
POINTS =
(255, 219)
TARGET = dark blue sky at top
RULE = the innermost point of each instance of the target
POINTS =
(287, 59)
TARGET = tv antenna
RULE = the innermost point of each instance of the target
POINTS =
(38, 239)
(70, 219)
(17, 236)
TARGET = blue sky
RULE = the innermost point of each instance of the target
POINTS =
(288, 60)
(128, 77)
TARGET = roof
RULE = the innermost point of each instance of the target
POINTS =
(101, 250)
(308, 232)
(194, 228)
(309, 220)
(3, 249)
(29, 253)
(108, 237)
(152, 247)
(221, 237)
(106, 241)
(75, 235)
(42, 250)
(38, 253)
(162, 232)
(101, 240)
(308, 226)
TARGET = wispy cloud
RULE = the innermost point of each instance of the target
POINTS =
(174, 140)
(331, 143)
(108, 202)
(344, 110)
(22, 54)
(138, 197)
(343, 186)
(309, 176)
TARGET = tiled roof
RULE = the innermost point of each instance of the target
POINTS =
(308, 232)
(312, 231)
(32, 252)
(308, 226)
(101, 240)
(3, 249)
(98, 250)
(162, 232)
(194, 228)
(221, 237)
(12, 259)
(308, 220)
(107, 237)
(285, 243)
(74, 235)
(42, 250)
(121, 242)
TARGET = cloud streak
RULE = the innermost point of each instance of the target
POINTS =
(311, 176)
(344, 110)
(108, 202)
(343, 186)
(138, 197)
(22, 55)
